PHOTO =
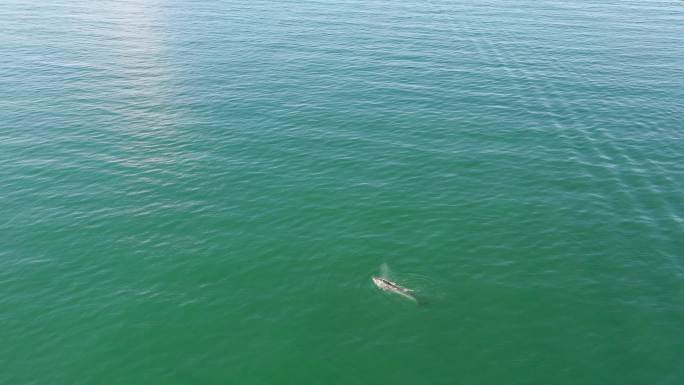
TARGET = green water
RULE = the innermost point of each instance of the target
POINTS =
(200, 192)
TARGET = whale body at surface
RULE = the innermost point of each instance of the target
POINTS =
(393, 287)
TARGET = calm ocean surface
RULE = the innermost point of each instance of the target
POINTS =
(199, 192)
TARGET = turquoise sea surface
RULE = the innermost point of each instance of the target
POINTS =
(199, 192)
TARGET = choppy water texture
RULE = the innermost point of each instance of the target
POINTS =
(199, 192)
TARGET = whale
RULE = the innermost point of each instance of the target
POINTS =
(392, 287)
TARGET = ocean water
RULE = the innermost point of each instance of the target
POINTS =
(199, 192)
